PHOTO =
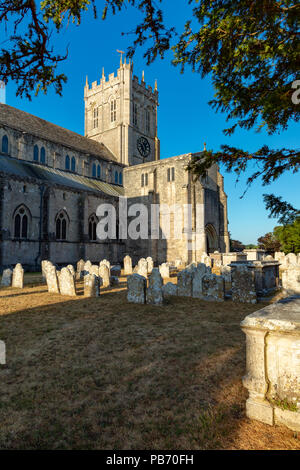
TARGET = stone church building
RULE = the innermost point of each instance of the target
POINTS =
(52, 180)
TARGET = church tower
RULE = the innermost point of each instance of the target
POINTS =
(121, 112)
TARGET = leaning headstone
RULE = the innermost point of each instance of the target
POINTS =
(213, 288)
(169, 289)
(80, 269)
(184, 283)
(66, 282)
(52, 279)
(104, 274)
(91, 285)
(136, 289)
(127, 265)
(149, 264)
(164, 270)
(198, 274)
(143, 267)
(243, 284)
(154, 293)
(6, 277)
(18, 277)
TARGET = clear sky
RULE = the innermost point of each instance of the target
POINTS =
(185, 121)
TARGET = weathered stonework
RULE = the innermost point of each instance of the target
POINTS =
(185, 283)
(154, 293)
(104, 274)
(18, 277)
(273, 364)
(169, 289)
(291, 279)
(213, 288)
(66, 283)
(243, 284)
(6, 277)
(52, 279)
(127, 265)
(91, 285)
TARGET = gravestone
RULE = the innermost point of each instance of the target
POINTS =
(136, 289)
(154, 293)
(86, 268)
(91, 285)
(66, 283)
(164, 270)
(94, 269)
(52, 279)
(213, 288)
(184, 283)
(104, 274)
(243, 284)
(18, 277)
(6, 277)
(71, 269)
(127, 265)
(142, 268)
(169, 289)
(149, 264)
(198, 274)
(80, 269)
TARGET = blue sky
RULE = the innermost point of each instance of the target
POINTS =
(185, 121)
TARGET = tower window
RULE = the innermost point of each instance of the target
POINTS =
(147, 120)
(73, 164)
(135, 115)
(36, 153)
(95, 117)
(43, 155)
(144, 179)
(67, 162)
(94, 170)
(113, 110)
(171, 174)
(5, 144)
(99, 171)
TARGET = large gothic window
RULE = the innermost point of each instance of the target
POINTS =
(5, 144)
(61, 226)
(36, 153)
(94, 170)
(21, 223)
(116, 177)
(120, 178)
(99, 171)
(67, 162)
(92, 227)
(73, 164)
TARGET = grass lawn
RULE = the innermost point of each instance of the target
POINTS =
(104, 374)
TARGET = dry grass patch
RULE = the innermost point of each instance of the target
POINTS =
(104, 374)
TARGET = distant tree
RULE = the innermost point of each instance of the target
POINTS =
(269, 242)
(236, 245)
(289, 236)
(250, 246)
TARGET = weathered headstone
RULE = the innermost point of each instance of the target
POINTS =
(136, 289)
(94, 269)
(6, 277)
(198, 274)
(291, 279)
(169, 289)
(71, 269)
(184, 283)
(291, 258)
(150, 264)
(164, 270)
(104, 274)
(213, 288)
(243, 284)
(127, 265)
(143, 267)
(106, 263)
(66, 282)
(154, 293)
(91, 285)
(52, 279)
(18, 276)
(86, 268)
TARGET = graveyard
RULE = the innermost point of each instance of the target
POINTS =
(144, 357)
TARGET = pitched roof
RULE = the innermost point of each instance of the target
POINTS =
(25, 122)
(23, 169)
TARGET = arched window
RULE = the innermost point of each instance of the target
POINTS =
(36, 153)
(5, 144)
(113, 110)
(116, 177)
(99, 171)
(61, 226)
(94, 170)
(73, 164)
(43, 155)
(120, 178)
(92, 227)
(21, 222)
(67, 163)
